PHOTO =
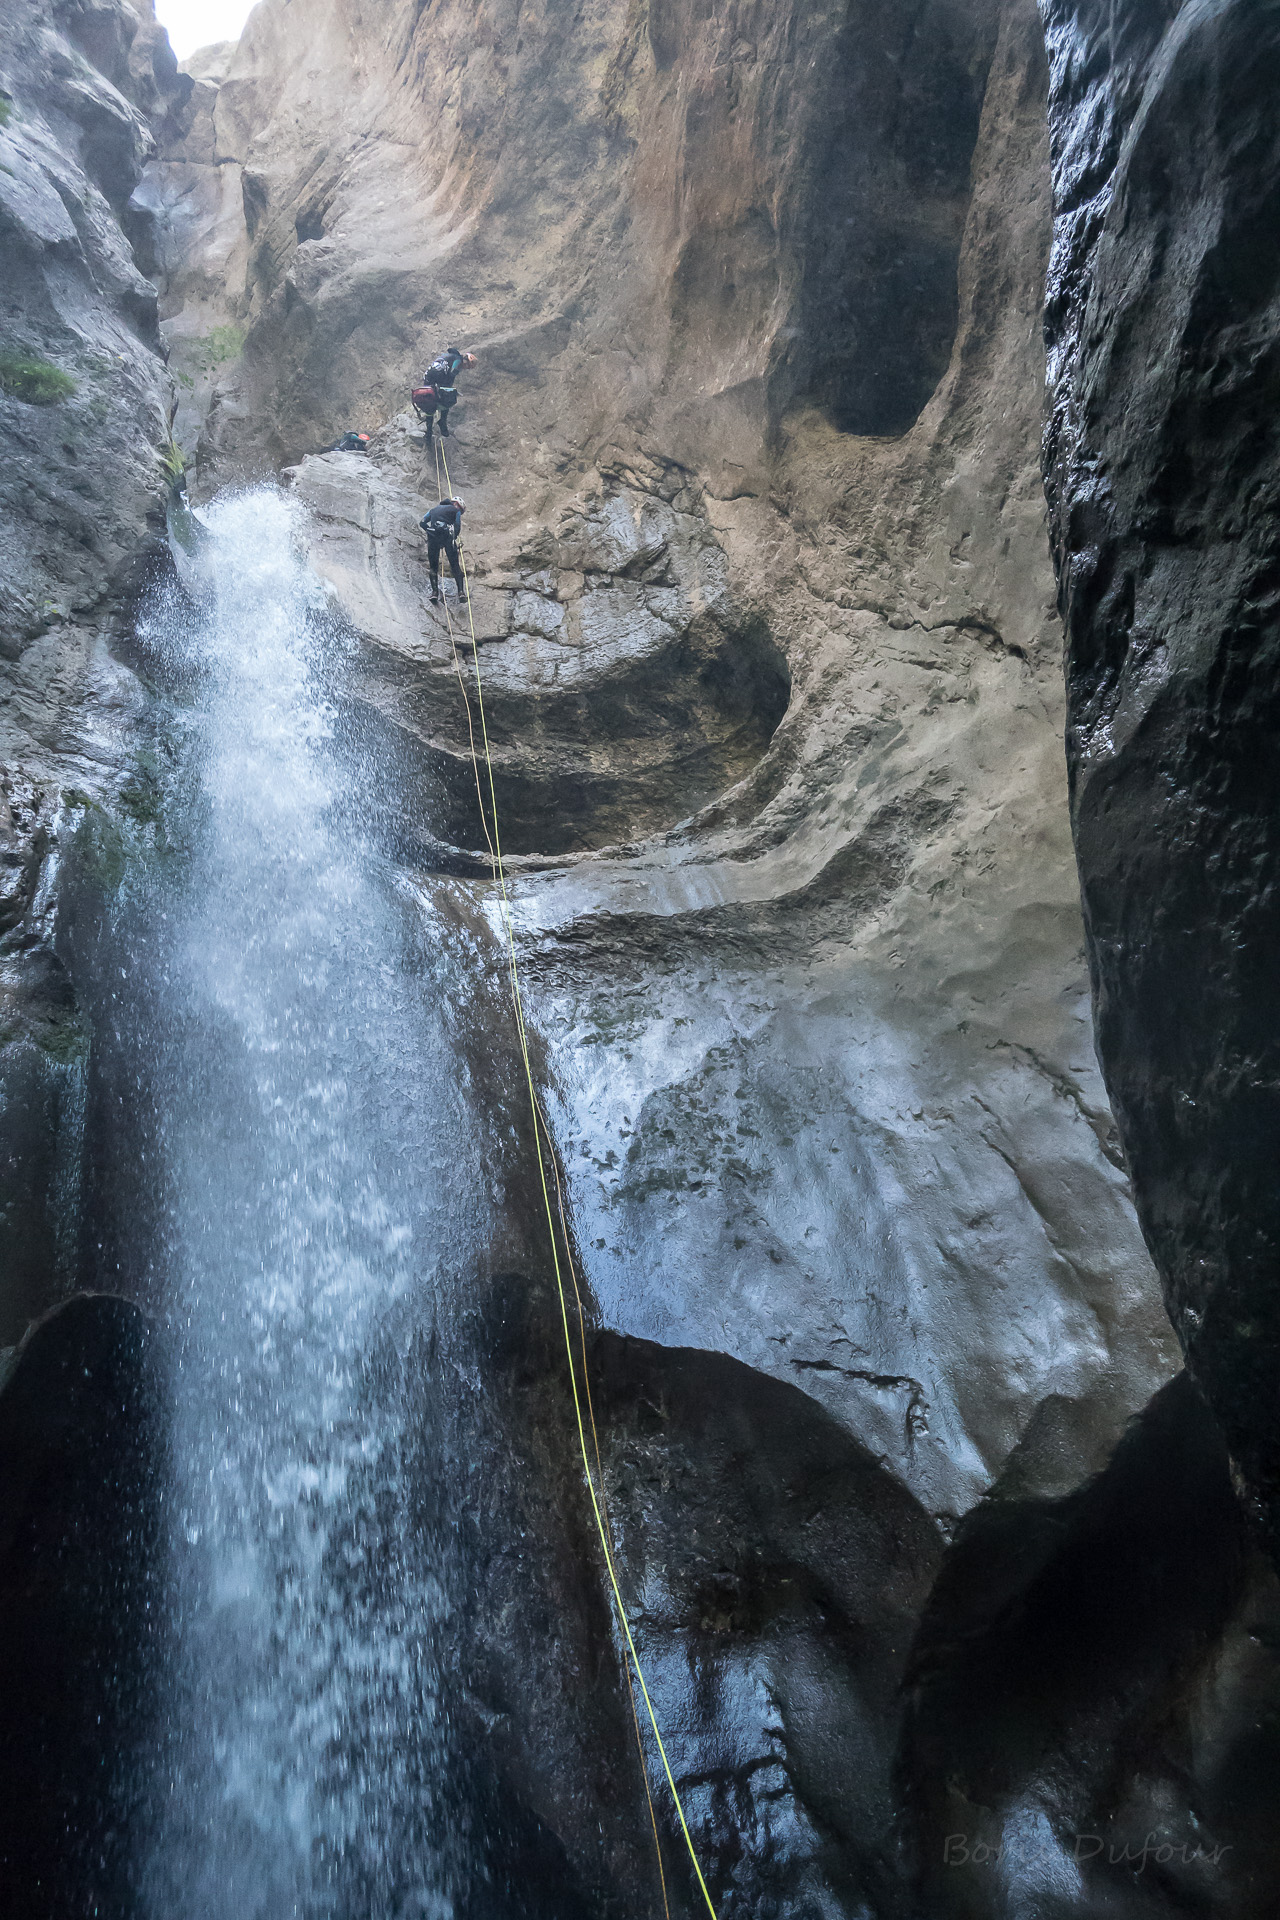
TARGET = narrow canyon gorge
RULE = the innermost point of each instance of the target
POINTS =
(871, 467)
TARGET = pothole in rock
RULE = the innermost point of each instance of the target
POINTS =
(605, 759)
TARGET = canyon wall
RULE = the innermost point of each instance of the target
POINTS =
(1164, 465)
(84, 404)
(764, 611)
(898, 1454)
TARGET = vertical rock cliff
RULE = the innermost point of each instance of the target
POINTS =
(1164, 466)
(936, 1560)
(772, 672)
(84, 404)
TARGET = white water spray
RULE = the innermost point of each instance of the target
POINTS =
(309, 1129)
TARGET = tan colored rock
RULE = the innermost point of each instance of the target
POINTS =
(653, 492)
(771, 666)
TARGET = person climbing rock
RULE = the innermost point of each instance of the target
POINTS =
(349, 443)
(447, 366)
(442, 526)
(438, 393)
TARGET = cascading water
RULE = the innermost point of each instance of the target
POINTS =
(280, 1019)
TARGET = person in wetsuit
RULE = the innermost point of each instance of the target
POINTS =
(438, 394)
(442, 526)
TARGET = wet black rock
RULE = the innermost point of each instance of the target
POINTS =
(780, 1569)
(1095, 1676)
(82, 1606)
(1163, 462)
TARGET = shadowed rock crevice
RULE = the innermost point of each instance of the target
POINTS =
(888, 195)
(1077, 1690)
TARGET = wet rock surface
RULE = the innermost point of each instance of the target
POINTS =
(84, 402)
(896, 1451)
(816, 1032)
(1093, 1724)
(1164, 466)
(780, 1569)
(772, 674)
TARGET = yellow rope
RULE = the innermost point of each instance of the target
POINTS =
(539, 1123)
(595, 1444)
(564, 1228)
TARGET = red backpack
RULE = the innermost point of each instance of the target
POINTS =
(425, 399)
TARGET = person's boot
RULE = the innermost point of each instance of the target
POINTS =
(435, 596)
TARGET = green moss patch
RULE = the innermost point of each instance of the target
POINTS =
(141, 800)
(219, 346)
(34, 381)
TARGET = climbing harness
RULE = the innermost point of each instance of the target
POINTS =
(542, 1133)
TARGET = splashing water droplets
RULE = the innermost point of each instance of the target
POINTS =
(300, 1056)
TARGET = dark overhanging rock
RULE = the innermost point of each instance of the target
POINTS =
(779, 1569)
(1163, 466)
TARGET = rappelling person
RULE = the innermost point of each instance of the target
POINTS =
(442, 526)
(349, 443)
(437, 393)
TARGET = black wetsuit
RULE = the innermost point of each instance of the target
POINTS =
(440, 377)
(442, 525)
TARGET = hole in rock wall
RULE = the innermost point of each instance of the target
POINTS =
(664, 740)
(613, 760)
(888, 196)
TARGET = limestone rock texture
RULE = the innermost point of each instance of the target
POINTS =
(765, 620)
(1164, 471)
(898, 1452)
(84, 408)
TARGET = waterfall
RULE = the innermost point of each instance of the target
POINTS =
(311, 1191)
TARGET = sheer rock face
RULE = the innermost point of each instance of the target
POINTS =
(82, 472)
(1164, 471)
(773, 703)
(765, 621)
(771, 665)
(81, 496)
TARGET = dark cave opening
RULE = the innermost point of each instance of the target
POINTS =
(632, 754)
(888, 196)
